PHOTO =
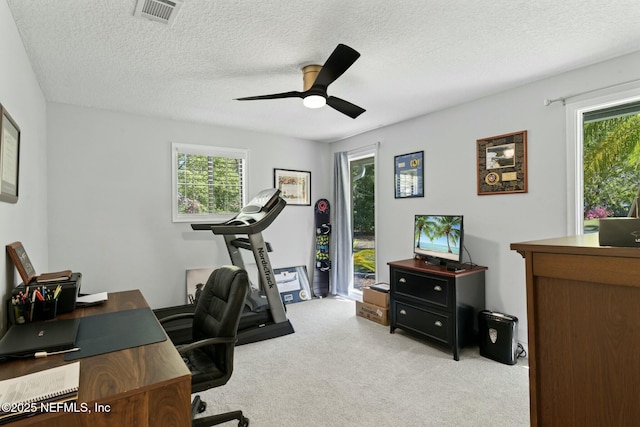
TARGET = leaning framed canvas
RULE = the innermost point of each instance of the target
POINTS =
(502, 164)
(293, 283)
(9, 157)
(196, 279)
(294, 186)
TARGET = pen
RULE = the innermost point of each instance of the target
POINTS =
(40, 354)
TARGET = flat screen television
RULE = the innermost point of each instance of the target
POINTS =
(438, 238)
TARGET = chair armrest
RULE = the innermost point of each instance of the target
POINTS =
(176, 317)
(207, 341)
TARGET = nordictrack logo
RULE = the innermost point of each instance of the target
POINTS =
(265, 268)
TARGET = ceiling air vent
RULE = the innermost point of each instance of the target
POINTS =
(164, 11)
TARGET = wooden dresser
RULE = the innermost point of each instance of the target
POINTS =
(583, 310)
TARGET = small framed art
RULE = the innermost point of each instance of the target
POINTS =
(409, 175)
(502, 164)
(9, 157)
(294, 186)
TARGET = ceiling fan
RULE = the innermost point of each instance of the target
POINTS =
(316, 79)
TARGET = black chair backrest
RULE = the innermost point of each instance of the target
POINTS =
(220, 307)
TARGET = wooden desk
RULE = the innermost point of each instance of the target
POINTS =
(144, 386)
(584, 330)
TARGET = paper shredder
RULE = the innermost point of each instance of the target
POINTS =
(498, 336)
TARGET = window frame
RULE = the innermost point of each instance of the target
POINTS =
(204, 150)
(575, 146)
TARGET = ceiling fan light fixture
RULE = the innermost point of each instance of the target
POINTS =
(316, 79)
(314, 101)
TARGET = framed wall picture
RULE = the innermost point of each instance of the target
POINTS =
(295, 186)
(502, 164)
(409, 175)
(9, 157)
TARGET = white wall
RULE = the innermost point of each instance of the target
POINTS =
(491, 222)
(106, 176)
(26, 220)
(110, 200)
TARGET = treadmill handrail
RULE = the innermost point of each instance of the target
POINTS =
(256, 227)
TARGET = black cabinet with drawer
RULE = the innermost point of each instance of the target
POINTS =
(436, 304)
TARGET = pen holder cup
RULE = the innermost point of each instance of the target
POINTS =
(45, 310)
(22, 313)
(33, 311)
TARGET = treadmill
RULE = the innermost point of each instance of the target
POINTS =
(264, 315)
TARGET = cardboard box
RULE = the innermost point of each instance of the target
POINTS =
(373, 312)
(371, 296)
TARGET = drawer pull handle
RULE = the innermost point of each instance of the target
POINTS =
(402, 280)
(438, 323)
(403, 312)
(437, 288)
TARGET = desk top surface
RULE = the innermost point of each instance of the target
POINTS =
(109, 376)
(582, 244)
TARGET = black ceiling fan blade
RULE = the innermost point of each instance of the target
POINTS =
(345, 107)
(292, 94)
(338, 62)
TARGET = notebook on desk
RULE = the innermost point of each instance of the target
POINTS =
(25, 340)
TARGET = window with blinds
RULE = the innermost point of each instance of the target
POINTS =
(208, 182)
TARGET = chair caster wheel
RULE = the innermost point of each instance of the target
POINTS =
(244, 422)
(202, 406)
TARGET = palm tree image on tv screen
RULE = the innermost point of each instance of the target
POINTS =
(438, 236)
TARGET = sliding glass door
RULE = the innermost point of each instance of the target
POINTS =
(362, 173)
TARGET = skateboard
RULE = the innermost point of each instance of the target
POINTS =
(323, 263)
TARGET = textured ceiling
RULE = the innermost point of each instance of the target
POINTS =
(418, 56)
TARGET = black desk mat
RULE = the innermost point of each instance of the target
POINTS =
(104, 333)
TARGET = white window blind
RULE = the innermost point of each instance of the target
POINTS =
(208, 183)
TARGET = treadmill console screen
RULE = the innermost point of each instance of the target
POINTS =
(264, 200)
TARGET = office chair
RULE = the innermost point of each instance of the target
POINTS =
(215, 326)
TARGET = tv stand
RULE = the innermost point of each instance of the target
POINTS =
(436, 304)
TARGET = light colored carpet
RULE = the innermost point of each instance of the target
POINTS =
(338, 369)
